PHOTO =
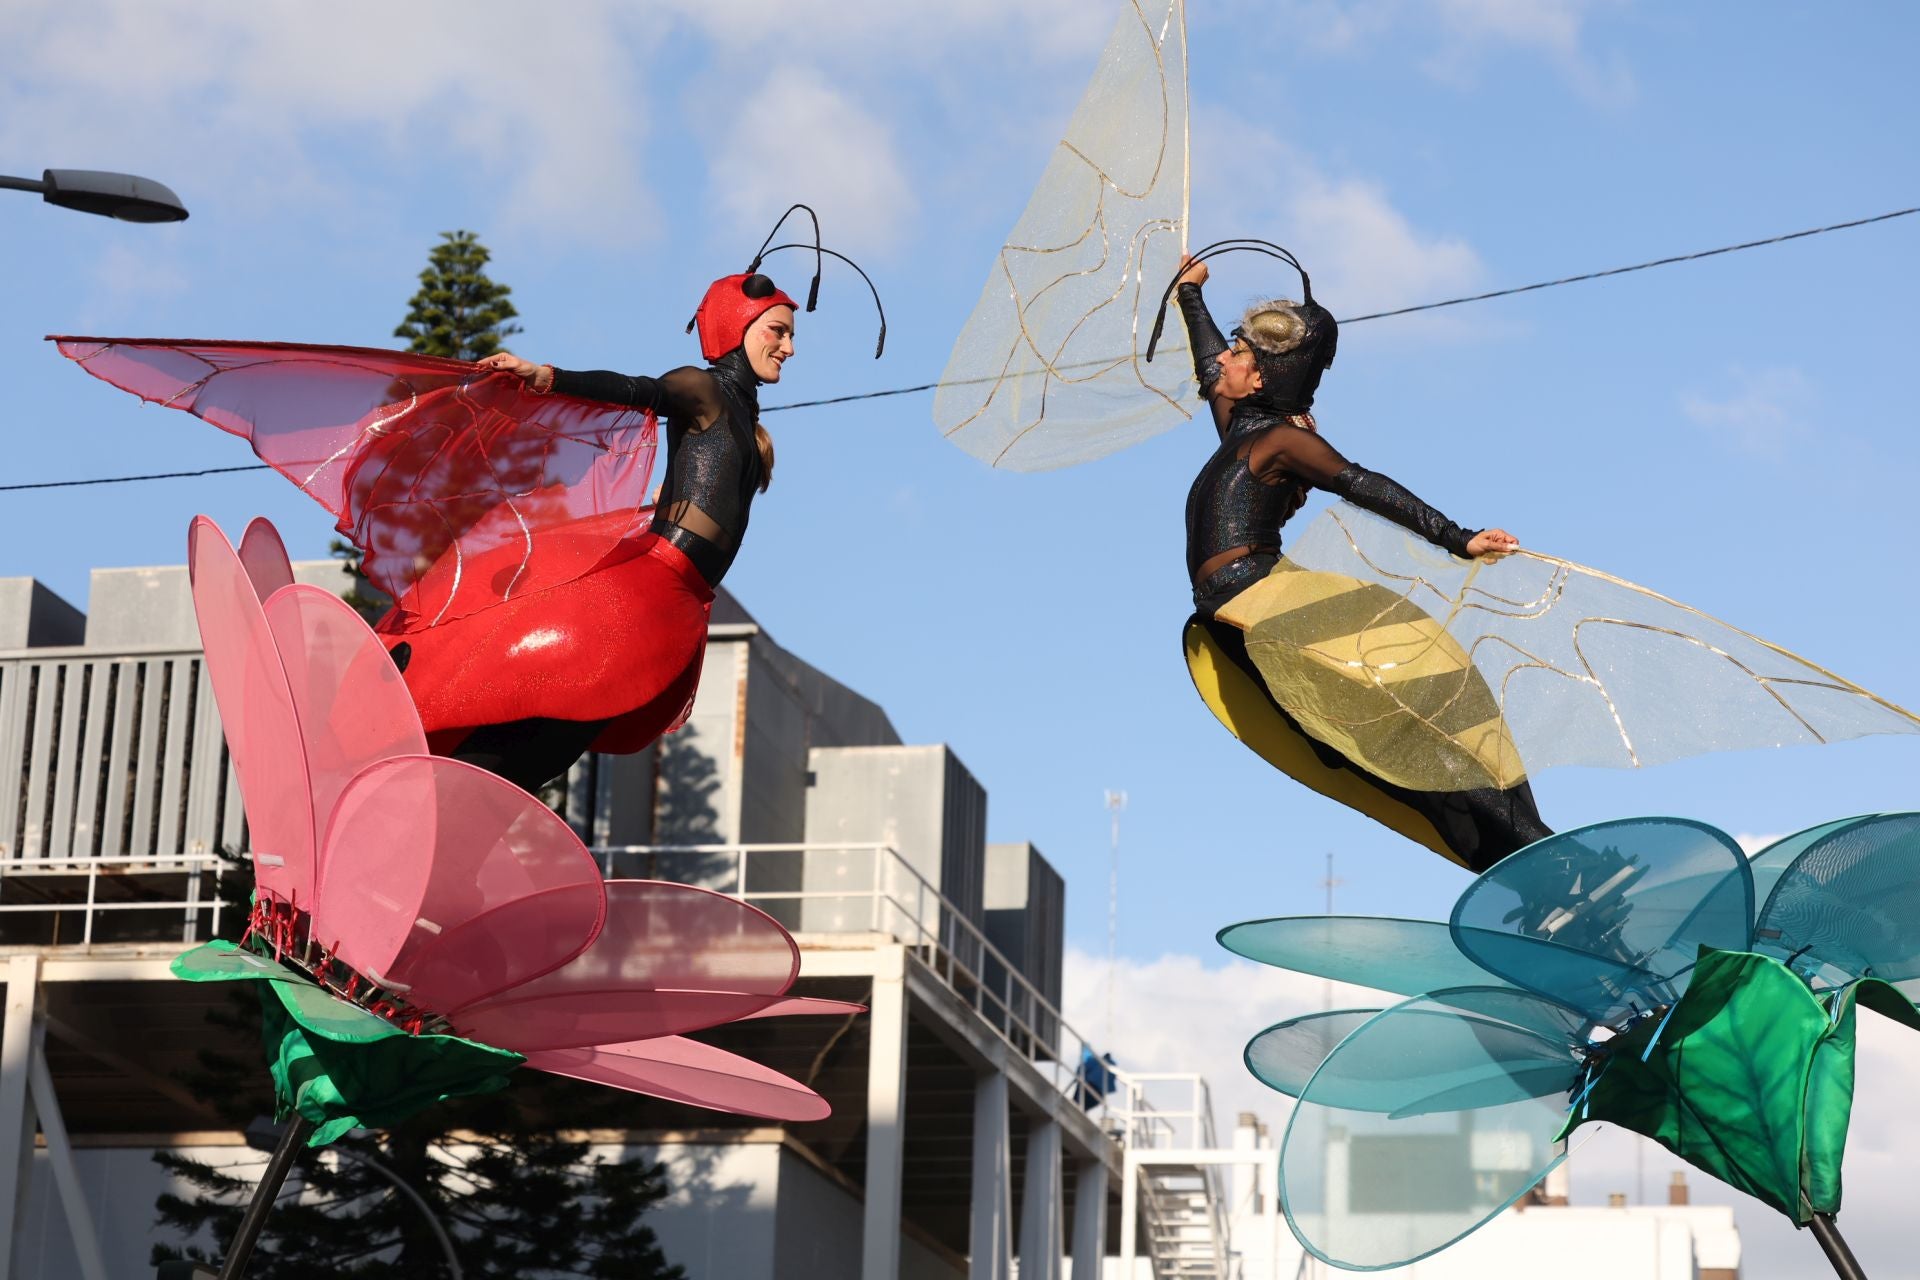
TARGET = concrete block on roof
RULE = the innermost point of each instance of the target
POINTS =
(32, 616)
(154, 605)
(923, 803)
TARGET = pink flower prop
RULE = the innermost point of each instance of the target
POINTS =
(445, 899)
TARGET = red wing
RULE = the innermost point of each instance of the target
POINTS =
(430, 467)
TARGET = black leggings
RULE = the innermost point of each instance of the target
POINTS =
(529, 753)
(1481, 826)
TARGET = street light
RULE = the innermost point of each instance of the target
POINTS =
(111, 195)
(263, 1134)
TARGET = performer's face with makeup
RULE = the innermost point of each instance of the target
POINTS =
(1239, 374)
(769, 343)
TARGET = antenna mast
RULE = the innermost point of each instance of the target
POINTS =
(1116, 804)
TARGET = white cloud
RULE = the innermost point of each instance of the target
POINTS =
(234, 97)
(1552, 29)
(797, 136)
(1181, 1014)
(856, 30)
(1364, 253)
(1764, 414)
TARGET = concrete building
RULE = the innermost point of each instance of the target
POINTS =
(963, 1137)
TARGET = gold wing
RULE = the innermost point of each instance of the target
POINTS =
(1565, 664)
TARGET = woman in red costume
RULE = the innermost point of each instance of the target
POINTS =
(611, 661)
(541, 607)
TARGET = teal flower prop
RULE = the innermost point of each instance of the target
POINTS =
(1621, 972)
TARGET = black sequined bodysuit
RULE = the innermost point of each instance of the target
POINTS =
(1270, 453)
(713, 471)
(713, 465)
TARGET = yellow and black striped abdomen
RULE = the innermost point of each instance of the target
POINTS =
(1369, 673)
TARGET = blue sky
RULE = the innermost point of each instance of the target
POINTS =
(1738, 433)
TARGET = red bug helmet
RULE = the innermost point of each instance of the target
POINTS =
(733, 303)
(730, 307)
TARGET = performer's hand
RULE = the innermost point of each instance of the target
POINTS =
(1192, 272)
(507, 362)
(1491, 542)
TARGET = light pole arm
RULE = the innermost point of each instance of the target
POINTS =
(125, 196)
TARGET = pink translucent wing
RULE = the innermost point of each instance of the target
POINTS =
(687, 1071)
(589, 1015)
(807, 1006)
(425, 463)
(257, 715)
(351, 702)
(265, 557)
(419, 846)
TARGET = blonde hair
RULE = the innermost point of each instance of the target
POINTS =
(1273, 327)
(764, 442)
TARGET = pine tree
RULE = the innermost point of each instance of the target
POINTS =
(459, 311)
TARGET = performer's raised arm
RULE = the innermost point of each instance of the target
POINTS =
(1205, 339)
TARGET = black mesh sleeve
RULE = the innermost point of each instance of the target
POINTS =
(634, 390)
(687, 393)
(1385, 496)
(1204, 336)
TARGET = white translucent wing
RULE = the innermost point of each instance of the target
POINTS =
(1050, 369)
(1585, 668)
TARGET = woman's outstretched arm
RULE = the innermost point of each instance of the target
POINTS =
(686, 393)
(1307, 455)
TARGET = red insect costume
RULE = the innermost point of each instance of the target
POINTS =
(620, 646)
(542, 607)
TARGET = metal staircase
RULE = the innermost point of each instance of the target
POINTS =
(1173, 1195)
(1186, 1232)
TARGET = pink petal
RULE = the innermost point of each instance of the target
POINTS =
(601, 1015)
(257, 714)
(420, 845)
(670, 958)
(501, 948)
(805, 1006)
(350, 702)
(688, 1071)
(265, 557)
(663, 936)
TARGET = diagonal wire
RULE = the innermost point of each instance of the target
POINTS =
(929, 386)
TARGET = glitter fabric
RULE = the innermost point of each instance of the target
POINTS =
(713, 466)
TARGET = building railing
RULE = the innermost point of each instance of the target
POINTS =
(1165, 1110)
(809, 888)
(86, 902)
(872, 888)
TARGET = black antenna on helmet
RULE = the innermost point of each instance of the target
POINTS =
(813, 290)
(879, 346)
(1215, 250)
